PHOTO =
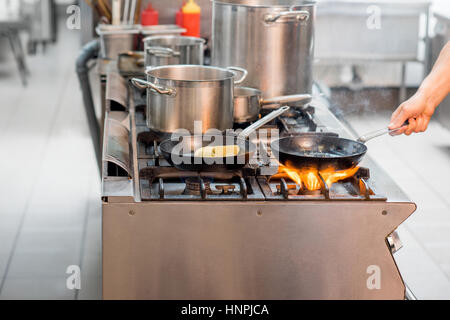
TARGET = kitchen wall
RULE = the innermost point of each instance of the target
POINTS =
(168, 8)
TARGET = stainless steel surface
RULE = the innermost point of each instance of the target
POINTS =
(260, 244)
(273, 40)
(179, 95)
(249, 250)
(394, 242)
(118, 150)
(167, 50)
(396, 37)
(116, 39)
(162, 30)
(248, 103)
(116, 91)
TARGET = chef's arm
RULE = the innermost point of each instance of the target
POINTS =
(420, 107)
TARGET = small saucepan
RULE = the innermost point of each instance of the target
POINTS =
(248, 103)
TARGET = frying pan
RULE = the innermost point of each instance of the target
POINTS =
(321, 151)
(180, 151)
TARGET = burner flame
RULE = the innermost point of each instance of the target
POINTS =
(310, 179)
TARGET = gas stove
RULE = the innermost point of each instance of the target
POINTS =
(250, 233)
(159, 180)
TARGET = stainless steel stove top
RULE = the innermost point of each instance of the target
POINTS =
(158, 180)
(245, 234)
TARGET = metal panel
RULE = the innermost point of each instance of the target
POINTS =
(258, 250)
(342, 31)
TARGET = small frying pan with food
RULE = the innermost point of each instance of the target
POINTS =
(214, 152)
(323, 151)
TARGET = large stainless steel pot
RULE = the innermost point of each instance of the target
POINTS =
(178, 95)
(166, 50)
(272, 39)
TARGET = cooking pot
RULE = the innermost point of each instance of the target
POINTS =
(248, 103)
(179, 95)
(170, 49)
(116, 39)
(271, 39)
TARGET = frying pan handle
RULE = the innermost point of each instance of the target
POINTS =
(274, 114)
(286, 99)
(368, 136)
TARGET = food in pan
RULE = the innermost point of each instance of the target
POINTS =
(217, 151)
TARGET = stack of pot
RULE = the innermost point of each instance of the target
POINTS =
(269, 43)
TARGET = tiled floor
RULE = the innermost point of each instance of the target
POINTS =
(50, 215)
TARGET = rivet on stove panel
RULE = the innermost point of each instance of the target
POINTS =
(131, 212)
(384, 212)
(259, 213)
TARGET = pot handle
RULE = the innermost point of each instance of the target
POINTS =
(162, 51)
(274, 114)
(286, 99)
(242, 70)
(142, 84)
(299, 15)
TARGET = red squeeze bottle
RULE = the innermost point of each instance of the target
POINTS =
(149, 16)
(191, 19)
(179, 16)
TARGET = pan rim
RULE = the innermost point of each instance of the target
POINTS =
(272, 145)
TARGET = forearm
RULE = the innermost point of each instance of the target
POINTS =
(436, 85)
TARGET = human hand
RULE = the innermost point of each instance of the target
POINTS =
(417, 110)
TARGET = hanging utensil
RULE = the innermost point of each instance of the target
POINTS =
(103, 9)
(132, 12)
(138, 11)
(116, 6)
(125, 12)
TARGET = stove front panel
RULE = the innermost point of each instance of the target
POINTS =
(251, 250)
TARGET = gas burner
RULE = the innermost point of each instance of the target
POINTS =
(355, 187)
(195, 185)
